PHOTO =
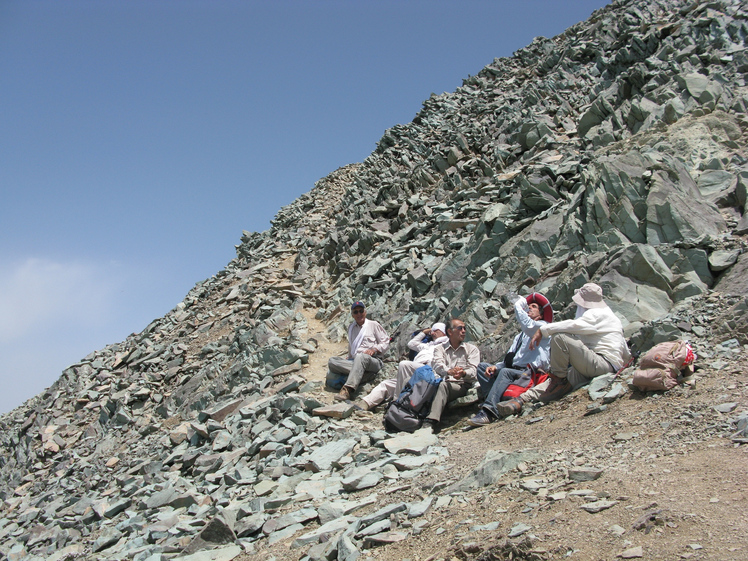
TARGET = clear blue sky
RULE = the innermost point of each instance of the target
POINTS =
(139, 138)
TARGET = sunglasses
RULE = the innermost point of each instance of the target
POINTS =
(357, 311)
(460, 328)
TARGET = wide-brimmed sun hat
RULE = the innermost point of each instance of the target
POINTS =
(589, 296)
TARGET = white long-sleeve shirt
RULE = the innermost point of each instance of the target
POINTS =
(600, 330)
(446, 357)
(425, 350)
(375, 337)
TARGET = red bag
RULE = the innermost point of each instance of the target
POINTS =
(532, 378)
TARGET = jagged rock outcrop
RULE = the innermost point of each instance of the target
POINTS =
(614, 153)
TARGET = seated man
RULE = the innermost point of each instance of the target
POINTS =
(425, 349)
(456, 362)
(590, 345)
(531, 313)
(366, 338)
(386, 388)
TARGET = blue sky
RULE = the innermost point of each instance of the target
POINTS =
(138, 139)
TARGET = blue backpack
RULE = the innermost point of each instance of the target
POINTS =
(335, 380)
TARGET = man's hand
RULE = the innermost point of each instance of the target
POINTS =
(535, 340)
(369, 352)
(457, 372)
(491, 370)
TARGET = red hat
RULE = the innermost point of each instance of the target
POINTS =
(545, 305)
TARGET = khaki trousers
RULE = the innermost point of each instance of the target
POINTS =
(572, 359)
(384, 390)
(405, 370)
(447, 392)
(361, 369)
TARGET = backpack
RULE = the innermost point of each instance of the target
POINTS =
(524, 383)
(407, 412)
(660, 367)
(335, 380)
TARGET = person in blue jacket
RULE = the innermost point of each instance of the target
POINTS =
(531, 312)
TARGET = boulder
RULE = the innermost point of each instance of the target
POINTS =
(723, 259)
(735, 279)
(495, 464)
(676, 210)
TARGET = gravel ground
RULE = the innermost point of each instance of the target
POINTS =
(675, 484)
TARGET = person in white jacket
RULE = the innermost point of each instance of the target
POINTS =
(425, 349)
(590, 345)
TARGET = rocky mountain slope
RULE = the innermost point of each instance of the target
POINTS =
(614, 153)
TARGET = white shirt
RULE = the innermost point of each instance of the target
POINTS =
(425, 350)
(466, 355)
(375, 337)
(599, 329)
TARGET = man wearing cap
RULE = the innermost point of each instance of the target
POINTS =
(366, 338)
(590, 345)
(425, 350)
(532, 312)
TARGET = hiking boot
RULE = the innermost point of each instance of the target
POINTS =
(557, 389)
(344, 394)
(430, 425)
(362, 405)
(481, 419)
(510, 407)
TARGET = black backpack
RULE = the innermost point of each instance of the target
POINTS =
(412, 406)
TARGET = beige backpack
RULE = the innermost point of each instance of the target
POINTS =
(661, 366)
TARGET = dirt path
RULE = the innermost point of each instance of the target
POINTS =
(316, 370)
